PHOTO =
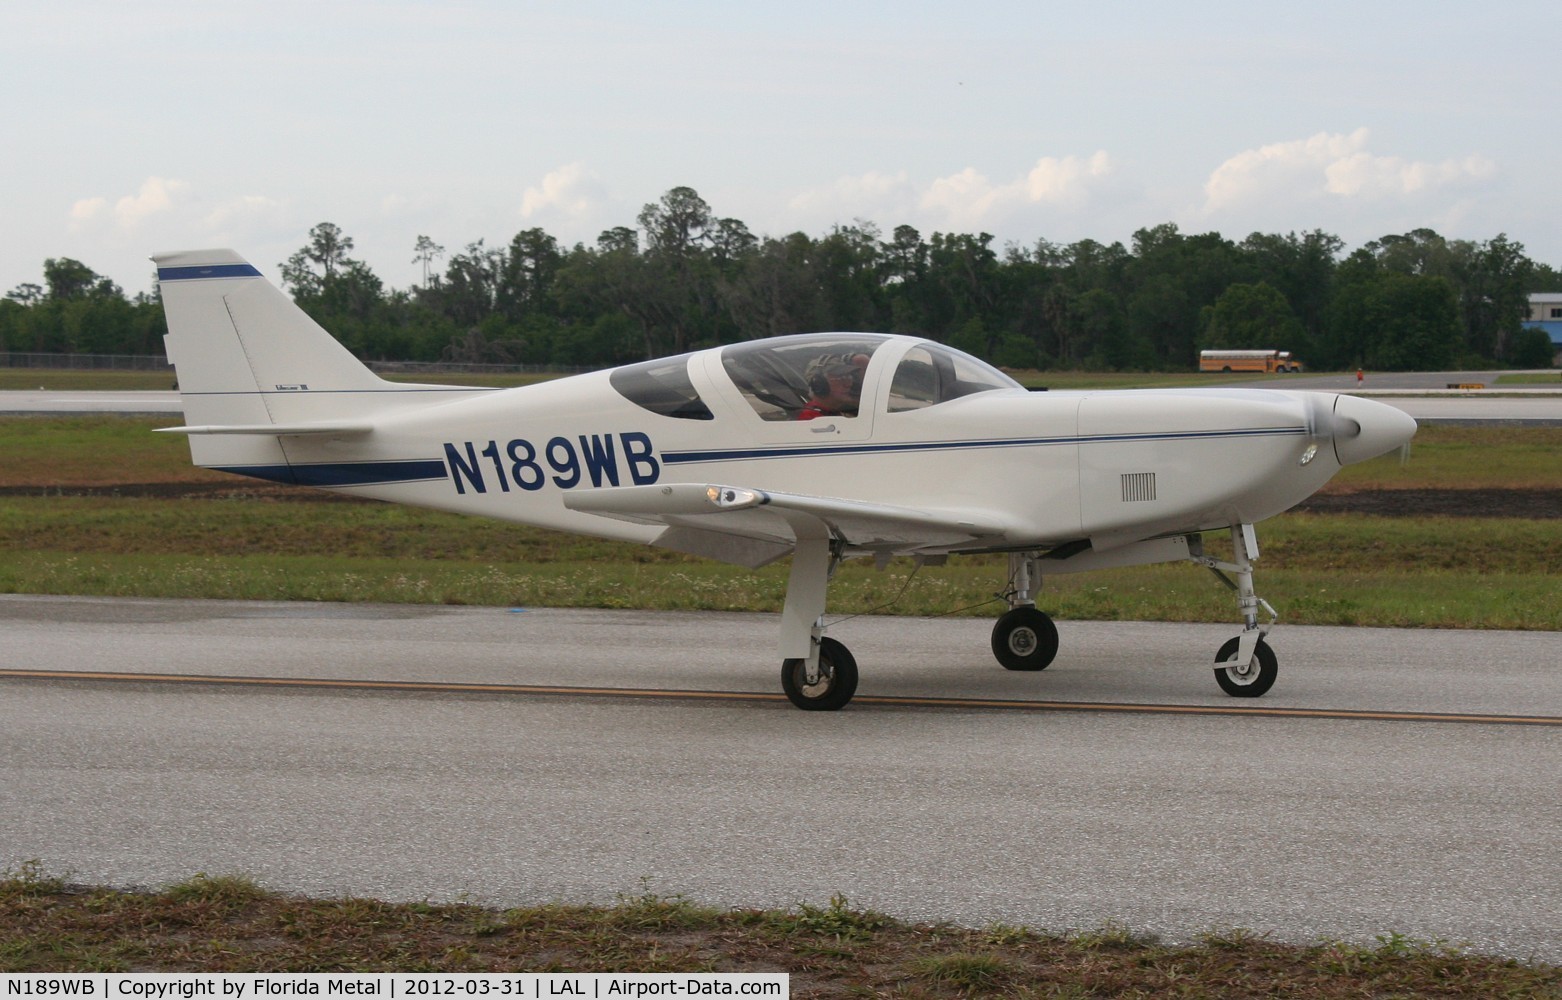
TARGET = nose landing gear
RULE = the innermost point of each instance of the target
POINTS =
(1249, 679)
(1245, 666)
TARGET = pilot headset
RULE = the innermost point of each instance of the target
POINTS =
(818, 373)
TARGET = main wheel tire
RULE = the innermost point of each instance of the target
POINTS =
(837, 679)
(1250, 680)
(1025, 639)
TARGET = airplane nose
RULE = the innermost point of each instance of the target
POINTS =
(1363, 429)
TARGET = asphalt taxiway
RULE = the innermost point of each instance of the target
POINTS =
(1394, 781)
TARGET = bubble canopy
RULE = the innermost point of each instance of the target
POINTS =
(780, 376)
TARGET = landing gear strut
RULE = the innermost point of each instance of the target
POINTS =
(1245, 666)
(818, 673)
(1024, 638)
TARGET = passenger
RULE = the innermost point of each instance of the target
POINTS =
(836, 383)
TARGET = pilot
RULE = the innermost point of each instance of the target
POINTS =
(836, 383)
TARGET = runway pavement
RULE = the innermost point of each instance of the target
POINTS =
(1173, 824)
(62, 402)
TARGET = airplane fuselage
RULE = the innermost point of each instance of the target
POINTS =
(1053, 467)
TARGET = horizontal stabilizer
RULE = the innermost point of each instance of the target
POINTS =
(331, 427)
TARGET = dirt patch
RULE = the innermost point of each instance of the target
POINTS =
(1530, 504)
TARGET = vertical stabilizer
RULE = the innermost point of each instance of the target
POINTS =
(244, 353)
(247, 357)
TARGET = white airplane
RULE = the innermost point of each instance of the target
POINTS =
(821, 446)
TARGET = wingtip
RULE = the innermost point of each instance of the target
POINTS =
(193, 258)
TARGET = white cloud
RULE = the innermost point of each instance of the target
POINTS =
(570, 192)
(243, 212)
(966, 195)
(873, 195)
(1387, 176)
(960, 201)
(155, 197)
(969, 200)
(85, 211)
(1067, 182)
(1332, 165)
(115, 235)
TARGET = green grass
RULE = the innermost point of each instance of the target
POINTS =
(300, 545)
(1444, 457)
(48, 451)
(1317, 569)
(1530, 378)
(230, 924)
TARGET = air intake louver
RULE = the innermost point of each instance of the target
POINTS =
(1138, 486)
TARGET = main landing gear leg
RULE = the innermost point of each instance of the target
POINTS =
(818, 673)
(1245, 666)
(1024, 638)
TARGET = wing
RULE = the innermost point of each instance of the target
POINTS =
(754, 527)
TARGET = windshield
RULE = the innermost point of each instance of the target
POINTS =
(930, 374)
(800, 378)
(662, 386)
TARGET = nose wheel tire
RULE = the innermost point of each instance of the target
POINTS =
(837, 679)
(1025, 639)
(1249, 680)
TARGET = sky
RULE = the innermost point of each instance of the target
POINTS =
(136, 128)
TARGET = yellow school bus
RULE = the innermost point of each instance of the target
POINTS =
(1248, 361)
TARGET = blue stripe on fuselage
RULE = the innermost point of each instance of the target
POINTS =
(344, 473)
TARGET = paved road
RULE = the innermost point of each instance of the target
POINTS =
(1373, 382)
(62, 402)
(1057, 819)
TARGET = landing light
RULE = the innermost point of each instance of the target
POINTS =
(1307, 456)
(726, 496)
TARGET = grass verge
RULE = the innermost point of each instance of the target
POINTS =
(1316, 569)
(1529, 378)
(230, 924)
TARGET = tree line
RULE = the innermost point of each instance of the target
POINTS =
(685, 278)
